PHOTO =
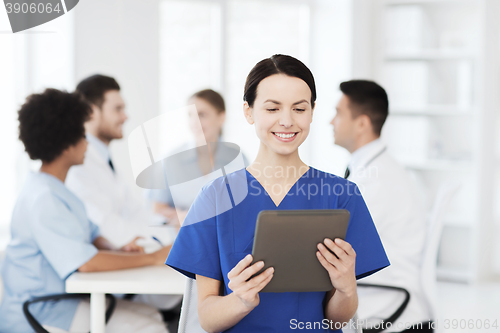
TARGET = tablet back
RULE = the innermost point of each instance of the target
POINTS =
(287, 240)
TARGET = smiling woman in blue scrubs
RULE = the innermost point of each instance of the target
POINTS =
(214, 243)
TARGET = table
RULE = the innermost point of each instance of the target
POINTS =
(142, 280)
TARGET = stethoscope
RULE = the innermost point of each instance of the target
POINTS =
(348, 171)
(375, 157)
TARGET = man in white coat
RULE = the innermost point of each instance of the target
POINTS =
(110, 202)
(393, 202)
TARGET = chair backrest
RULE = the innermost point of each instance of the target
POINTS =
(435, 228)
(188, 322)
(1, 281)
(354, 320)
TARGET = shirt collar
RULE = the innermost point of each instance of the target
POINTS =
(365, 153)
(57, 187)
(101, 147)
(53, 180)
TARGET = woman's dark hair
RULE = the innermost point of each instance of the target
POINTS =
(213, 98)
(368, 98)
(51, 122)
(277, 64)
(94, 87)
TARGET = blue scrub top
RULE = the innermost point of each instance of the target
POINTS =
(51, 238)
(211, 244)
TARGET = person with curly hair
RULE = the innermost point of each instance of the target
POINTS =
(109, 199)
(51, 235)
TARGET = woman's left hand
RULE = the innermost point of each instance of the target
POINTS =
(340, 266)
(133, 247)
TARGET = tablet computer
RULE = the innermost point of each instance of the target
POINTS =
(287, 240)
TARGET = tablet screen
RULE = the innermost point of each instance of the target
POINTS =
(287, 240)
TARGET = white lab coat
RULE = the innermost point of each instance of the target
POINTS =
(110, 202)
(398, 214)
(112, 205)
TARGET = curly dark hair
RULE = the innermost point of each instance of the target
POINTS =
(51, 122)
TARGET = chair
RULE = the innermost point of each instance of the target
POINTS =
(358, 328)
(428, 265)
(38, 328)
(1, 282)
(442, 202)
(1, 289)
(188, 322)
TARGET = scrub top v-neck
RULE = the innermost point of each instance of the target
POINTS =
(254, 181)
(212, 246)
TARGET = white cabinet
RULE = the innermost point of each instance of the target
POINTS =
(439, 62)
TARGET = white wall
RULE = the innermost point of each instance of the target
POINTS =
(30, 61)
(119, 38)
(331, 64)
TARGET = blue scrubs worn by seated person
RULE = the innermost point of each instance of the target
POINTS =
(224, 154)
(219, 228)
(51, 238)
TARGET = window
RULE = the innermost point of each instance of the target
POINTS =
(30, 61)
(214, 44)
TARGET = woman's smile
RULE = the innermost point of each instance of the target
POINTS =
(285, 136)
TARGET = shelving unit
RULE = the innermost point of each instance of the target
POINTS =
(439, 62)
(430, 55)
(434, 110)
(440, 165)
(422, 2)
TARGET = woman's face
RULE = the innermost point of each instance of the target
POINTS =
(282, 113)
(210, 119)
(76, 152)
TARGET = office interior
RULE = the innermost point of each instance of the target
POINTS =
(439, 61)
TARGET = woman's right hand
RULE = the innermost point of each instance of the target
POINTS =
(246, 289)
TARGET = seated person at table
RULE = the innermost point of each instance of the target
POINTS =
(394, 203)
(211, 110)
(108, 199)
(51, 234)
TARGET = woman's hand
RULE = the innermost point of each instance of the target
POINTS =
(246, 289)
(340, 266)
(133, 247)
(165, 210)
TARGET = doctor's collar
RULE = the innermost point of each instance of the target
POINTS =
(101, 147)
(364, 153)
